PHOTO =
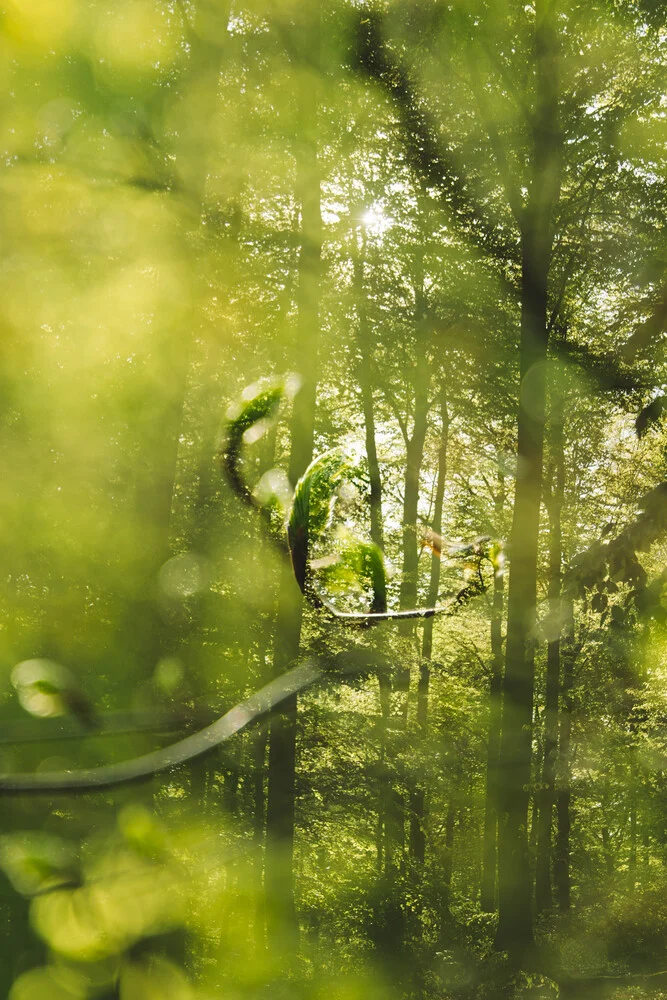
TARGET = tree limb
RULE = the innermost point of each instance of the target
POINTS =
(254, 708)
(434, 163)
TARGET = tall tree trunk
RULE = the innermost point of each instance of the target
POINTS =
(489, 849)
(448, 859)
(632, 859)
(365, 376)
(282, 926)
(563, 792)
(418, 797)
(543, 886)
(413, 459)
(384, 849)
(515, 924)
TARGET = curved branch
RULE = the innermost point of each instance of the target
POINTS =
(230, 456)
(205, 741)
(434, 162)
(478, 586)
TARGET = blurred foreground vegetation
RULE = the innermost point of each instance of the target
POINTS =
(440, 229)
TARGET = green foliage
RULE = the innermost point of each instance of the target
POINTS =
(247, 420)
(193, 195)
(36, 861)
(311, 509)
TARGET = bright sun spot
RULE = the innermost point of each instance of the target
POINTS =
(375, 220)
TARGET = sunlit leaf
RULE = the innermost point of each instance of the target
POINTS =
(38, 984)
(311, 508)
(48, 689)
(243, 419)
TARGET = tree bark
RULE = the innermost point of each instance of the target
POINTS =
(515, 924)
(489, 848)
(448, 857)
(282, 925)
(563, 793)
(543, 884)
(418, 804)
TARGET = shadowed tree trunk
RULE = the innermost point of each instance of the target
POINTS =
(515, 924)
(282, 925)
(418, 803)
(543, 885)
(489, 849)
(563, 793)
(384, 850)
(414, 455)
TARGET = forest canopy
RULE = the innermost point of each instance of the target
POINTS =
(332, 651)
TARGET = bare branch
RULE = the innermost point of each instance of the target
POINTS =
(204, 742)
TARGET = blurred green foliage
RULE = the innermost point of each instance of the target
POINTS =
(154, 164)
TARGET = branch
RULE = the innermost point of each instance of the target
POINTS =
(569, 267)
(204, 742)
(393, 406)
(646, 333)
(512, 193)
(617, 558)
(603, 366)
(434, 164)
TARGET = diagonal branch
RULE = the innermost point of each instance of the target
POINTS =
(204, 742)
(434, 163)
(617, 557)
(646, 334)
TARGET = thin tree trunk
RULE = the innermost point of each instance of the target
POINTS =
(515, 924)
(448, 857)
(488, 887)
(632, 860)
(366, 387)
(282, 925)
(383, 847)
(413, 462)
(563, 792)
(418, 804)
(543, 885)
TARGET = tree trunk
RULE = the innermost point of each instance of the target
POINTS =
(282, 926)
(418, 803)
(543, 887)
(488, 887)
(563, 793)
(448, 859)
(366, 387)
(413, 463)
(515, 924)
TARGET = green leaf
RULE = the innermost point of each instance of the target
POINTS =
(599, 602)
(361, 566)
(36, 861)
(246, 416)
(311, 507)
(47, 689)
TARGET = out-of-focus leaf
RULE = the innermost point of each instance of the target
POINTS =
(127, 899)
(157, 979)
(48, 689)
(38, 984)
(142, 831)
(36, 861)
